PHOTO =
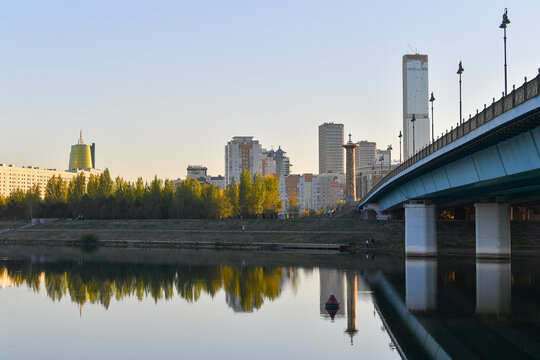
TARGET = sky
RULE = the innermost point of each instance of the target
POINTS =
(160, 85)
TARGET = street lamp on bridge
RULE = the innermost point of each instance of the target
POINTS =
(400, 136)
(389, 148)
(505, 22)
(413, 120)
(459, 72)
(431, 100)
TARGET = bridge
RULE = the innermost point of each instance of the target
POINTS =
(492, 160)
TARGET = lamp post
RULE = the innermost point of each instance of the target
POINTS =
(459, 72)
(400, 136)
(389, 148)
(505, 22)
(413, 120)
(381, 160)
(431, 100)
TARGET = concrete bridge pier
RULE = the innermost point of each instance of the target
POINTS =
(492, 221)
(420, 229)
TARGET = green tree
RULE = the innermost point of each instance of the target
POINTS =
(232, 195)
(76, 191)
(244, 194)
(105, 184)
(189, 204)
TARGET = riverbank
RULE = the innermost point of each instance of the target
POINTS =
(453, 236)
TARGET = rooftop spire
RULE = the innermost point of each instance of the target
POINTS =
(81, 141)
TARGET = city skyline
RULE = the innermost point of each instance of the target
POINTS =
(162, 80)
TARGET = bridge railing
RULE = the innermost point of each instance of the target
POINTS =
(528, 90)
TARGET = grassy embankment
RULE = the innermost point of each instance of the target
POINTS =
(452, 235)
(225, 232)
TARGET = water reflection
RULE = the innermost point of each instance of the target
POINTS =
(246, 288)
(351, 304)
(493, 287)
(332, 281)
(421, 284)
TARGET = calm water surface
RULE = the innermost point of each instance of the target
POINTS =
(59, 303)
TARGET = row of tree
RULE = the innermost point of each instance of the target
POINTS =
(101, 197)
(99, 283)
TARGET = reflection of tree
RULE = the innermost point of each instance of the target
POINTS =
(99, 283)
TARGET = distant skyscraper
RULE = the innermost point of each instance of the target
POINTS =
(82, 156)
(330, 148)
(242, 153)
(365, 153)
(415, 101)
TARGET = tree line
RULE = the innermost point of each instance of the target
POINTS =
(102, 282)
(101, 197)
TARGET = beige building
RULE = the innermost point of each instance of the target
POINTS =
(242, 153)
(330, 148)
(13, 178)
(365, 153)
(312, 191)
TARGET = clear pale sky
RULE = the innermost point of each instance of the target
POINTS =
(158, 85)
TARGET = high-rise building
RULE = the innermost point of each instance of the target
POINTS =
(275, 162)
(365, 153)
(283, 163)
(82, 156)
(330, 148)
(415, 102)
(242, 153)
(268, 162)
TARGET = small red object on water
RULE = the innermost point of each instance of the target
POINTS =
(332, 305)
(332, 301)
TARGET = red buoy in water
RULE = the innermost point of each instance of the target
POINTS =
(332, 306)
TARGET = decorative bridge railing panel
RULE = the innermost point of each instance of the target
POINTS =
(528, 90)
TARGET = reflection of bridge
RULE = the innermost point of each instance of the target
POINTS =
(437, 322)
(491, 160)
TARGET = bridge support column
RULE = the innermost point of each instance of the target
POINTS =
(420, 229)
(492, 230)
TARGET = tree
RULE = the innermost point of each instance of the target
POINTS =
(216, 203)
(294, 209)
(256, 195)
(76, 191)
(189, 204)
(244, 193)
(232, 195)
(271, 203)
(105, 184)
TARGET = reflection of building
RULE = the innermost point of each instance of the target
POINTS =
(332, 282)
(236, 304)
(330, 150)
(351, 305)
